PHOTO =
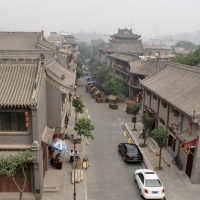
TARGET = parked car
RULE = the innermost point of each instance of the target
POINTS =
(149, 184)
(130, 152)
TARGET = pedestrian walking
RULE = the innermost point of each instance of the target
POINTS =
(71, 156)
(77, 154)
(141, 134)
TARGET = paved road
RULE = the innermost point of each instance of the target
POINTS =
(108, 177)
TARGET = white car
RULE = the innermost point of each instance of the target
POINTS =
(149, 184)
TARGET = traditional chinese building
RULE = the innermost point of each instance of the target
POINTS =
(124, 42)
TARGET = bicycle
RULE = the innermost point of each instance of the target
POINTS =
(176, 161)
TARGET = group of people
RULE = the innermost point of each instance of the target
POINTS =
(73, 154)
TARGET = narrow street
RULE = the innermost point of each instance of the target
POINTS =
(108, 176)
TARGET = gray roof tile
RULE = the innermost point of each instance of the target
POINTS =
(179, 85)
(17, 83)
(59, 74)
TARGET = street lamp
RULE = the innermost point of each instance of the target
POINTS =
(74, 141)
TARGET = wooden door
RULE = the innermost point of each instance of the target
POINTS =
(189, 164)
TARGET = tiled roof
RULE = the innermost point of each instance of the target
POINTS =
(146, 68)
(56, 72)
(179, 85)
(24, 41)
(18, 84)
(47, 135)
(19, 40)
(8, 153)
(55, 38)
(134, 47)
(123, 57)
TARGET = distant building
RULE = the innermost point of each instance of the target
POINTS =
(160, 42)
(156, 51)
(124, 42)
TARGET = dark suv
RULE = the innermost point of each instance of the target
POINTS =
(130, 152)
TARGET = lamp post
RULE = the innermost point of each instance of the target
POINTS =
(74, 141)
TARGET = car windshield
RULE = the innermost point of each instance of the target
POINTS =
(134, 151)
(153, 183)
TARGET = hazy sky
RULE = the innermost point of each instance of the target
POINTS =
(145, 17)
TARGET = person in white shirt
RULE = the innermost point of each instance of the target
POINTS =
(71, 156)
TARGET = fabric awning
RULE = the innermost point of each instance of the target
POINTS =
(48, 135)
(112, 97)
(130, 102)
(91, 85)
(97, 92)
(94, 88)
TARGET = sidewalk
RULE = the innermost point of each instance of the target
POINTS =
(177, 184)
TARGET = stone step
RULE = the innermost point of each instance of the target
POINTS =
(15, 196)
(51, 190)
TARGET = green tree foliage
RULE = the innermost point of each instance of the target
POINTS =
(80, 61)
(79, 72)
(160, 136)
(191, 59)
(148, 123)
(113, 84)
(85, 50)
(100, 73)
(134, 108)
(11, 165)
(84, 126)
(78, 105)
(84, 53)
(188, 46)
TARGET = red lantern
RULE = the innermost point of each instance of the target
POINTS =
(181, 145)
(26, 124)
(26, 114)
(186, 150)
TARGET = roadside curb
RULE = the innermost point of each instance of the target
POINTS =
(146, 162)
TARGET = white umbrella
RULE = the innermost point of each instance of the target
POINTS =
(59, 145)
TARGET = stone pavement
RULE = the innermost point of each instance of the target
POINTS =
(177, 184)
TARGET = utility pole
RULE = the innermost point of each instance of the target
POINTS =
(74, 169)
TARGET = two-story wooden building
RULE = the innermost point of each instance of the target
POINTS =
(171, 97)
(36, 83)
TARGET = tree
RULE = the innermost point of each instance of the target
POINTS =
(134, 108)
(113, 84)
(160, 136)
(84, 126)
(85, 50)
(100, 73)
(79, 72)
(188, 46)
(78, 104)
(148, 123)
(191, 59)
(11, 165)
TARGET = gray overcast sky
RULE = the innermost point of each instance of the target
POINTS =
(145, 17)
